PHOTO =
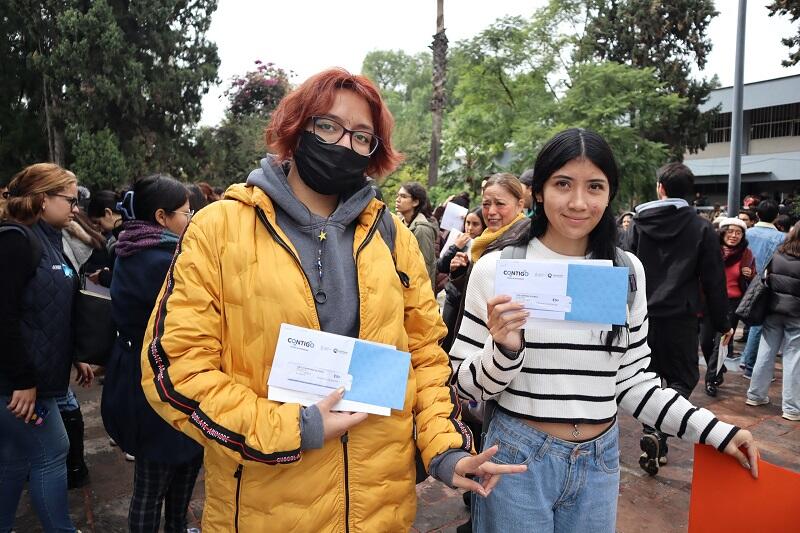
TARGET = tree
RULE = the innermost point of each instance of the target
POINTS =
(132, 70)
(621, 103)
(259, 91)
(98, 160)
(439, 48)
(669, 37)
(791, 8)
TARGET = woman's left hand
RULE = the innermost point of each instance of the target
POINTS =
(85, 374)
(481, 465)
(747, 272)
(744, 439)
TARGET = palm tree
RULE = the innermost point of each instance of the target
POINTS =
(439, 48)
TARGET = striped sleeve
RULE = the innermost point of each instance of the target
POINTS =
(640, 393)
(481, 371)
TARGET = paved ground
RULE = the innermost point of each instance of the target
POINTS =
(646, 504)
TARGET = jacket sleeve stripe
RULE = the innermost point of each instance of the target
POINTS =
(159, 362)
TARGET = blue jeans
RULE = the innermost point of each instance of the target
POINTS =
(778, 329)
(751, 348)
(40, 454)
(568, 486)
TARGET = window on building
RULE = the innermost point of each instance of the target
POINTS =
(720, 129)
(775, 121)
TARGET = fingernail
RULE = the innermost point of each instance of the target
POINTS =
(340, 390)
(747, 466)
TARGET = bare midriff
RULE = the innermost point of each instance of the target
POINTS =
(569, 432)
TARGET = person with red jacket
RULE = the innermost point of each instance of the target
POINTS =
(740, 267)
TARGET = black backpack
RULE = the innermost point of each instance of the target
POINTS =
(36, 246)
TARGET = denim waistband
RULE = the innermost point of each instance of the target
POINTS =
(545, 443)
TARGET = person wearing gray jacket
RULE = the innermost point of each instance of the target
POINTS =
(412, 204)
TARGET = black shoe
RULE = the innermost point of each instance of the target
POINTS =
(649, 460)
(467, 496)
(711, 389)
(77, 472)
(465, 528)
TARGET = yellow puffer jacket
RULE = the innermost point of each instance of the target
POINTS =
(208, 352)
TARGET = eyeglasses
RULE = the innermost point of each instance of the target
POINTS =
(330, 131)
(737, 232)
(188, 214)
(73, 200)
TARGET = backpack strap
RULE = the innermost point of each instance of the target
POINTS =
(622, 259)
(35, 245)
(514, 252)
(388, 232)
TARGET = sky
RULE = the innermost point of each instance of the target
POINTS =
(307, 36)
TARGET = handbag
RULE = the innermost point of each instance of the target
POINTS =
(93, 326)
(754, 304)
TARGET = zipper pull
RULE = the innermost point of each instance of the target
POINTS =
(344, 438)
(238, 472)
(404, 279)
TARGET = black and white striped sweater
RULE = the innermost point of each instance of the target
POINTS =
(569, 375)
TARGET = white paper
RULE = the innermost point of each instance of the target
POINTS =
(310, 361)
(451, 239)
(721, 356)
(453, 217)
(531, 282)
(305, 399)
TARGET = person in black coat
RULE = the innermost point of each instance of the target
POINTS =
(156, 212)
(681, 257)
(781, 326)
(455, 260)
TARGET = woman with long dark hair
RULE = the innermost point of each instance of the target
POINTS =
(781, 328)
(155, 213)
(413, 206)
(556, 390)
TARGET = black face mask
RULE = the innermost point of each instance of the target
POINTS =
(329, 168)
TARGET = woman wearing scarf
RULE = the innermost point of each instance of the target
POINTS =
(740, 266)
(155, 213)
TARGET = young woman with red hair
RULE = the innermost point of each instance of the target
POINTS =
(306, 242)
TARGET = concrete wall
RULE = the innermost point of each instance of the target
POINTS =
(774, 145)
(712, 150)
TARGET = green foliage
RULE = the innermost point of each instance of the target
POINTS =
(133, 70)
(792, 9)
(668, 36)
(98, 159)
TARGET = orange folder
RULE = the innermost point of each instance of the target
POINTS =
(726, 498)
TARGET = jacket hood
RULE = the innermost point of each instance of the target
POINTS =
(270, 179)
(665, 221)
(420, 220)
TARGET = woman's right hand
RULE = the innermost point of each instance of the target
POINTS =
(23, 403)
(506, 320)
(336, 423)
(460, 260)
(462, 240)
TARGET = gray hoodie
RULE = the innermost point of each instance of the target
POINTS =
(340, 312)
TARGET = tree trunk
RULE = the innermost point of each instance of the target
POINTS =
(439, 48)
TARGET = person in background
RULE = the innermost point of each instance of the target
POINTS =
(462, 199)
(783, 223)
(684, 270)
(197, 199)
(473, 227)
(413, 206)
(623, 225)
(208, 192)
(763, 239)
(740, 267)
(156, 212)
(305, 242)
(526, 178)
(781, 327)
(105, 215)
(38, 287)
(748, 216)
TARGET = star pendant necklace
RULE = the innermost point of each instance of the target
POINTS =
(319, 296)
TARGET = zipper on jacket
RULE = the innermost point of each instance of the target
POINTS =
(344, 439)
(238, 476)
(263, 218)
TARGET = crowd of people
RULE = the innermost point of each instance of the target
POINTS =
(200, 283)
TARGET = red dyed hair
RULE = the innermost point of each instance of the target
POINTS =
(315, 96)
